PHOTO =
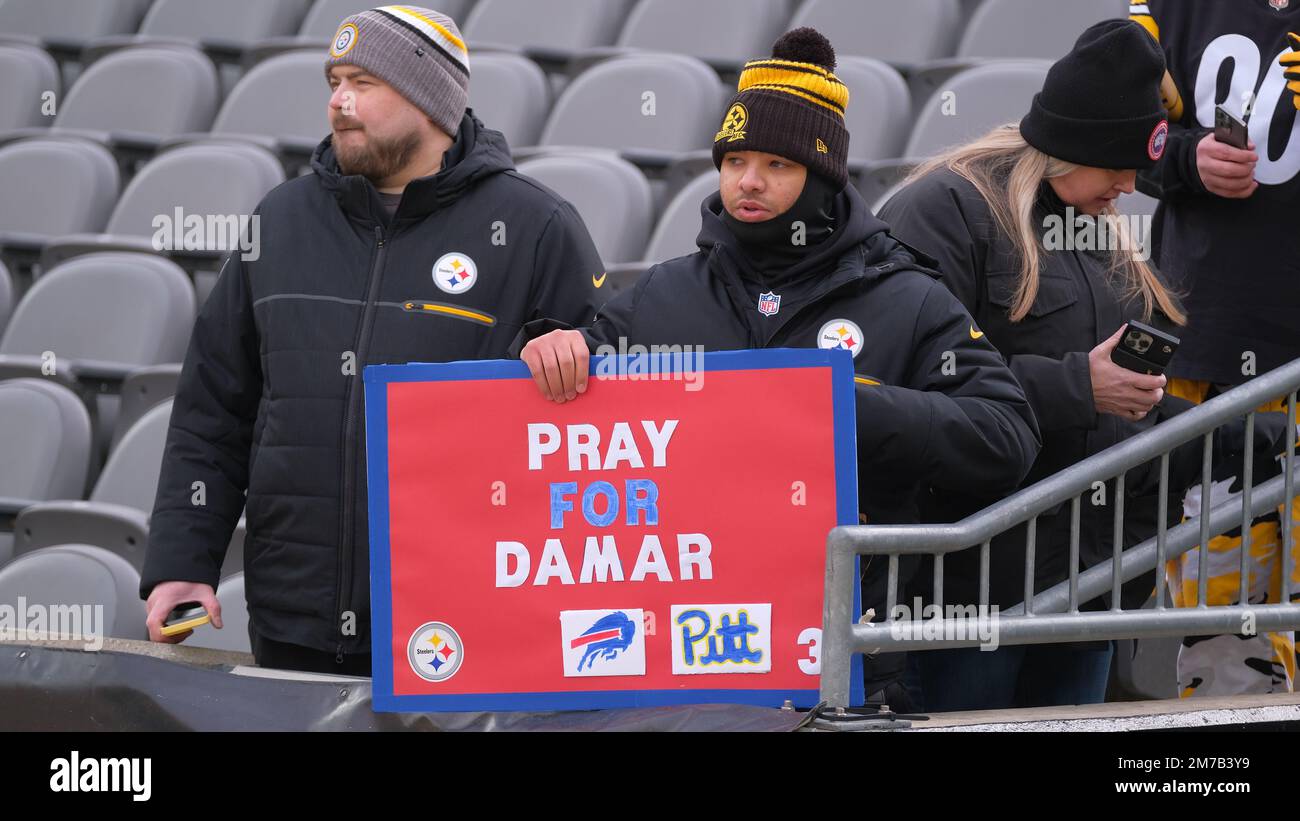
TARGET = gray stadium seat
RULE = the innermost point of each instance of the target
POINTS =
(116, 514)
(26, 73)
(544, 26)
(53, 186)
(605, 107)
(610, 194)
(903, 32)
(6, 296)
(724, 33)
(102, 316)
(140, 96)
(44, 448)
(677, 229)
(211, 179)
(285, 100)
(324, 16)
(1018, 29)
(880, 108)
(509, 93)
(79, 575)
(69, 22)
(982, 98)
(143, 389)
(230, 22)
(233, 634)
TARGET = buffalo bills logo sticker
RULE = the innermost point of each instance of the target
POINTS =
(455, 273)
(603, 642)
(435, 651)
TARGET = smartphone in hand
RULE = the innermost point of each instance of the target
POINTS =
(1229, 129)
(185, 617)
(1144, 349)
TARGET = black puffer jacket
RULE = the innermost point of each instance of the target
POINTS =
(270, 398)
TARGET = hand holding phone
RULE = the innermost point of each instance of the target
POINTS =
(185, 617)
(1144, 349)
(1229, 129)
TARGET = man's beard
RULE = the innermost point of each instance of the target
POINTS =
(377, 159)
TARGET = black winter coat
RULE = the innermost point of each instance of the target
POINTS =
(270, 397)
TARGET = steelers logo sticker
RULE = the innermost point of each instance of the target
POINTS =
(840, 335)
(344, 40)
(455, 273)
(435, 651)
(733, 125)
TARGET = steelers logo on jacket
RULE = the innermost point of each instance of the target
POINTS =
(840, 335)
(455, 273)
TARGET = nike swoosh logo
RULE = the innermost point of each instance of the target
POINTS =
(598, 281)
(974, 334)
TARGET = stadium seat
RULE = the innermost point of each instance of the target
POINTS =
(723, 33)
(608, 106)
(233, 634)
(77, 575)
(509, 93)
(610, 194)
(324, 16)
(901, 32)
(44, 449)
(673, 236)
(1017, 29)
(116, 514)
(880, 108)
(143, 389)
(101, 316)
(6, 296)
(26, 73)
(982, 98)
(66, 25)
(281, 103)
(53, 186)
(133, 99)
(217, 181)
(544, 29)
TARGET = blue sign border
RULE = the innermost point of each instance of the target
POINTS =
(376, 379)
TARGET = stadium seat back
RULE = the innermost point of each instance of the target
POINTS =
(159, 91)
(567, 25)
(205, 179)
(880, 108)
(285, 96)
(26, 73)
(44, 441)
(131, 309)
(985, 97)
(731, 31)
(130, 477)
(324, 16)
(509, 93)
(70, 19)
(72, 576)
(610, 194)
(677, 229)
(239, 21)
(904, 31)
(6, 296)
(56, 186)
(1032, 28)
(605, 107)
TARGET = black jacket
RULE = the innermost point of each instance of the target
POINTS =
(1076, 309)
(917, 426)
(270, 398)
(1238, 261)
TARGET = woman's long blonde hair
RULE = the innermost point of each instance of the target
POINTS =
(1008, 172)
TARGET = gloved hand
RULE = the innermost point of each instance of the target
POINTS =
(1291, 67)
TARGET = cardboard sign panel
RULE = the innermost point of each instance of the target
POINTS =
(659, 540)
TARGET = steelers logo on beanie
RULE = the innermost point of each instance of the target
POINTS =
(791, 105)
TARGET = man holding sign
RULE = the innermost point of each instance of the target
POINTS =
(791, 257)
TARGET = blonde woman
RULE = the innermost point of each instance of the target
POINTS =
(1023, 224)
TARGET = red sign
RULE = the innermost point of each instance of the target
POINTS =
(660, 540)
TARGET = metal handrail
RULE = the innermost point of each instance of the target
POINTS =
(1046, 619)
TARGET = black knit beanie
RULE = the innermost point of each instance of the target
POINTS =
(1100, 105)
(791, 105)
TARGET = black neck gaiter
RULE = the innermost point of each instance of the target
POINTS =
(769, 246)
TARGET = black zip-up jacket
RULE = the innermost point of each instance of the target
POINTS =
(920, 420)
(270, 397)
